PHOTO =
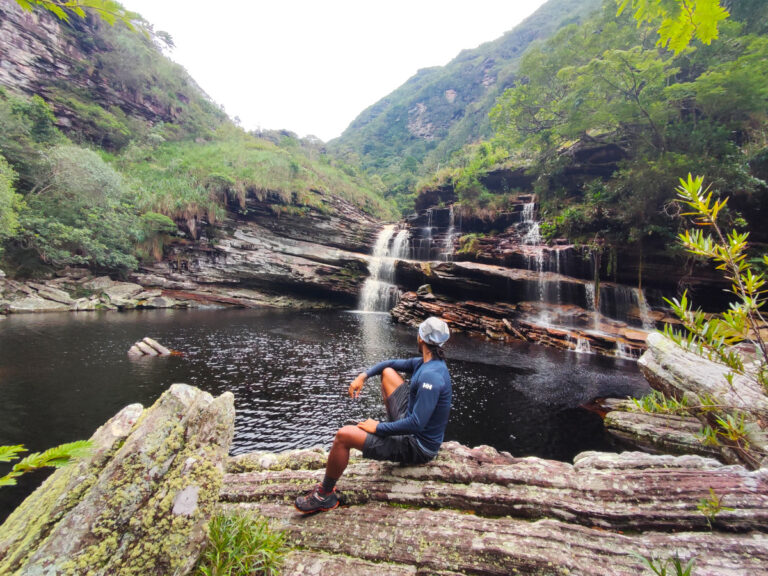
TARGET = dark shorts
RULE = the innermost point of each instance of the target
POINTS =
(404, 449)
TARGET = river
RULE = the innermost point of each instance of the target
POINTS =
(63, 375)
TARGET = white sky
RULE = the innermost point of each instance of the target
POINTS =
(311, 66)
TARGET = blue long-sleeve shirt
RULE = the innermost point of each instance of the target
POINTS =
(429, 401)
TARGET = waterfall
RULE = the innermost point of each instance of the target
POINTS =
(583, 346)
(379, 292)
(589, 289)
(624, 351)
(644, 311)
(447, 253)
(528, 210)
(532, 237)
(424, 249)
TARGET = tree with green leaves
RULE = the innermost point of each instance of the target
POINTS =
(110, 10)
(78, 212)
(10, 203)
(744, 319)
(679, 21)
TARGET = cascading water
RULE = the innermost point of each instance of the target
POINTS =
(379, 292)
(423, 249)
(532, 238)
(447, 252)
(643, 309)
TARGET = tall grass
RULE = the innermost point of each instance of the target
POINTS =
(242, 544)
(196, 179)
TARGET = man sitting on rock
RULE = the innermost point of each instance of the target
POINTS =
(417, 412)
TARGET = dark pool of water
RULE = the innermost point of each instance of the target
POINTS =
(63, 375)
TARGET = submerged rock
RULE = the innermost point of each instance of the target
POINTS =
(139, 505)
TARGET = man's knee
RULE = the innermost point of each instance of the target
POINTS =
(346, 435)
(390, 374)
(390, 380)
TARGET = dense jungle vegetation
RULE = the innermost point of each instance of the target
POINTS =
(129, 154)
(606, 88)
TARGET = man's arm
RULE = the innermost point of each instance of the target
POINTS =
(404, 365)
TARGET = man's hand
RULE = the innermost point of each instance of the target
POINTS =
(369, 425)
(357, 385)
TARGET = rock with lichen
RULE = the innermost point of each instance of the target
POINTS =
(144, 502)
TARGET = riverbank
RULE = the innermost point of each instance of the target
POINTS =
(76, 290)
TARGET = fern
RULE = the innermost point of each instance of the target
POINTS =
(55, 457)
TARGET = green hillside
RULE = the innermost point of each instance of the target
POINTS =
(605, 123)
(440, 109)
(109, 151)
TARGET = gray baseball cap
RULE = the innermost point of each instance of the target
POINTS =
(434, 331)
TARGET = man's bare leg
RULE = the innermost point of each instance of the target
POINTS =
(350, 437)
(390, 380)
(346, 438)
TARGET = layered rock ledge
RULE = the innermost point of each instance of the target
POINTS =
(477, 511)
(505, 321)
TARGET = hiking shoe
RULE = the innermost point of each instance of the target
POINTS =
(316, 501)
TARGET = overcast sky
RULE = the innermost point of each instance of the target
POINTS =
(312, 66)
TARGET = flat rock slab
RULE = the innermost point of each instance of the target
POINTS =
(32, 304)
(431, 541)
(477, 511)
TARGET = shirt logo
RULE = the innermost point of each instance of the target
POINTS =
(427, 386)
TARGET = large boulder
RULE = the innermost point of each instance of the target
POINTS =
(139, 504)
(31, 304)
(680, 373)
(677, 372)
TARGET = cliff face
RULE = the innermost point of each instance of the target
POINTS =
(314, 255)
(94, 79)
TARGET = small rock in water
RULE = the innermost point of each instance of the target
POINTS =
(162, 350)
(149, 347)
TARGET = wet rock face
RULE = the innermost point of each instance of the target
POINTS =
(139, 504)
(478, 511)
(501, 309)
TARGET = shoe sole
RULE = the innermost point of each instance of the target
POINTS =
(305, 512)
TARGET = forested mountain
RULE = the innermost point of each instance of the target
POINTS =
(601, 122)
(109, 151)
(442, 108)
